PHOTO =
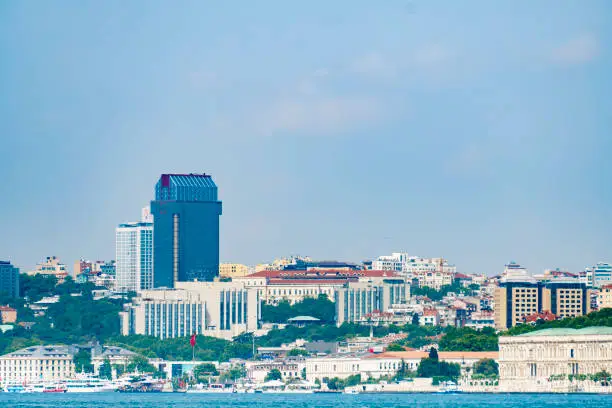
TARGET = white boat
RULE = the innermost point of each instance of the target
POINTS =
(33, 388)
(449, 387)
(89, 384)
(211, 388)
(18, 388)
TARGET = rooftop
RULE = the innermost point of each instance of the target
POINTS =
(323, 274)
(564, 331)
(186, 187)
(442, 355)
(303, 319)
(42, 352)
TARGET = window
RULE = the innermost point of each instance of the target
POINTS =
(572, 353)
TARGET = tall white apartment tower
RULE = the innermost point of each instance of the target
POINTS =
(134, 255)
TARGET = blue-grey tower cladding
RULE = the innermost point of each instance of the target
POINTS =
(185, 229)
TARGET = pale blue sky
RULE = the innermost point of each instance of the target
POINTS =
(479, 130)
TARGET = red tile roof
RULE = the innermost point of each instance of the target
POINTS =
(546, 316)
(307, 281)
(442, 355)
(328, 273)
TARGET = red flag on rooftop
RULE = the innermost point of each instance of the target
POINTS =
(192, 340)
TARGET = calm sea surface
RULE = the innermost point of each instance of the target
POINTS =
(298, 401)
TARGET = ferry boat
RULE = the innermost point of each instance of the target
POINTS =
(14, 388)
(55, 388)
(33, 388)
(144, 385)
(89, 384)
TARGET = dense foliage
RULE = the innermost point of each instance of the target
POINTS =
(206, 348)
(321, 307)
(432, 367)
(274, 374)
(203, 372)
(339, 384)
(75, 318)
(486, 367)
(602, 317)
(468, 339)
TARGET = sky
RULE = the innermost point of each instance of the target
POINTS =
(478, 131)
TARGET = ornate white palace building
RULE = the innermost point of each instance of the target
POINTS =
(542, 360)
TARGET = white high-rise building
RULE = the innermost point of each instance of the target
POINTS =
(134, 255)
(602, 274)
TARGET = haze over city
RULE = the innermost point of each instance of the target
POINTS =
(339, 130)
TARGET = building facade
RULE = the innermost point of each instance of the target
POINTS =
(432, 272)
(231, 270)
(8, 314)
(9, 279)
(604, 298)
(357, 301)
(134, 256)
(385, 364)
(51, 266)
(217, 309)
(36, 364)
(186, 214)
(520, 295)
(602, 274)
(530, 362)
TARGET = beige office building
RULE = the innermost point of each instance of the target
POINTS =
(51, 266)
(604, 299)
(232, 270)
(516, 299)
(530, 362)
(36, 364)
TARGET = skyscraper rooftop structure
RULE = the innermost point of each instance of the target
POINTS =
(186, 214)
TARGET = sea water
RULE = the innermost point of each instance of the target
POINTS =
(163, 400)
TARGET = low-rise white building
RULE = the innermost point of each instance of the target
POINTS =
(388, 363)
(533, 361)
(258, 370)
(36, 364)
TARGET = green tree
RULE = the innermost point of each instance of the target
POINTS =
(395, 347)
(203, 371)
(487, 367)
(297, 352)
(415, 319)
(274, 374)
(468, 339)
(106, 370)
(237, 371)
(430, 368)
(433, 354)
(335, 384)
(82, 361)
(141, 364)
(321, 307)
(352, 380)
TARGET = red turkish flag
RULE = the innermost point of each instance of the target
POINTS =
(192, 340)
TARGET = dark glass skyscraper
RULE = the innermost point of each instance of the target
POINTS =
(185, 229)
(9, 279)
